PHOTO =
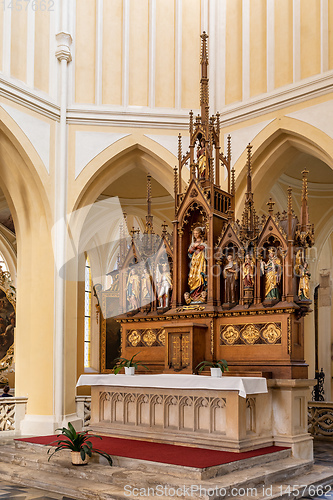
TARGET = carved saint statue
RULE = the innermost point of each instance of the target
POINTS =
(133, 290)
(230, 274)
(202, 159)
(164, 285)
(197, 275)
(146, 288)
(302, 270)
(272, 270)
(248, 271)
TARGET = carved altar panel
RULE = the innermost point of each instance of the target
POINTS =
(185, 345)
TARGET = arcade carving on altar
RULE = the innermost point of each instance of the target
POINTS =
(216, 286)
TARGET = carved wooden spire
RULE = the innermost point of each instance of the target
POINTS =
(232, 189)
(304, 206)
(179, 147)
(175, 187)
(249, 194)
(204, 89)
(270, 205)
(231, 183)
(229, 148)
(191, 123)
(290, 213)
(149, 218)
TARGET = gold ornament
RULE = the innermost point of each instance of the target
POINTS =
(149, 337)
(134, 338)
(250, 334)
(161, 337)
(230, 334)
(271, 333)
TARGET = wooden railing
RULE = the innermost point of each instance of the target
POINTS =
(320, 419)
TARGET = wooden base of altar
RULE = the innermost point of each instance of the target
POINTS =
(254, 339)
(215, 419)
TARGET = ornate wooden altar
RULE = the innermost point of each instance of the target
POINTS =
(216, 287)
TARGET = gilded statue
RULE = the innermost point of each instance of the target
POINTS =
(202, 158)
(164, 285)
(230, 274)
(272, 270)
(302, 270)
(197, 275)
(248, 271)
(133, 290)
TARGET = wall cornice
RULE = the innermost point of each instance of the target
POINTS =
(29, 99)
(157, 118)
(263, 104)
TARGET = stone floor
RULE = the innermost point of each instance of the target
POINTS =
(323, 451)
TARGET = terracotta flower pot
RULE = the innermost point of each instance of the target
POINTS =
(77, 459)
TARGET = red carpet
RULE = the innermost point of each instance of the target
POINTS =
(164, 453)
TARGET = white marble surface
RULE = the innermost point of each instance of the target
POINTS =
(244, 385)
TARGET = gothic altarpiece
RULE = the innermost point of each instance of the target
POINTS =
(217, 287)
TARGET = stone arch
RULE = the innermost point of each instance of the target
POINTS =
(269, 147)
(25, 190)
(117, 159)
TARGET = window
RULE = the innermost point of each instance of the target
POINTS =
(87, 315)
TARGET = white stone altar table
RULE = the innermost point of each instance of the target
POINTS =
(244, 385)
(229, 413)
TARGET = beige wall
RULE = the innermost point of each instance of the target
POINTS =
(137, 63)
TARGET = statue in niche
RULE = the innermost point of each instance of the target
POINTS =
(164, 286)
(146, 287)
(302, 270)
(230, 275)
(133, 290)
(248, 271)
(202, 158)
(272, 270)
(197, 276)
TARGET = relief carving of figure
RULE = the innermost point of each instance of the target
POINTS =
(302, 270)
(230, 275)
(164, 286)
(197, 275)
(133, 290)
(272, 270)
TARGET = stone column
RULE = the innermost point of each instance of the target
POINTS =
(63, 55)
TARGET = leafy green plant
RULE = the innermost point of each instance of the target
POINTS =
(127, 363)
(221, 363)
(77, 441)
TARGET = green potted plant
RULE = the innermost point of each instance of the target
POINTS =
(128, 364)
(79, 443)
(216, 367)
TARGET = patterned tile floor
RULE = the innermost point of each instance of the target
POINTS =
(9, 492)
(323, 451)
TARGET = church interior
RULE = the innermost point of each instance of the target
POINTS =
(166, 184)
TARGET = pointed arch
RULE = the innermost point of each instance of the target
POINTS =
(271, 146)
(118, 159)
